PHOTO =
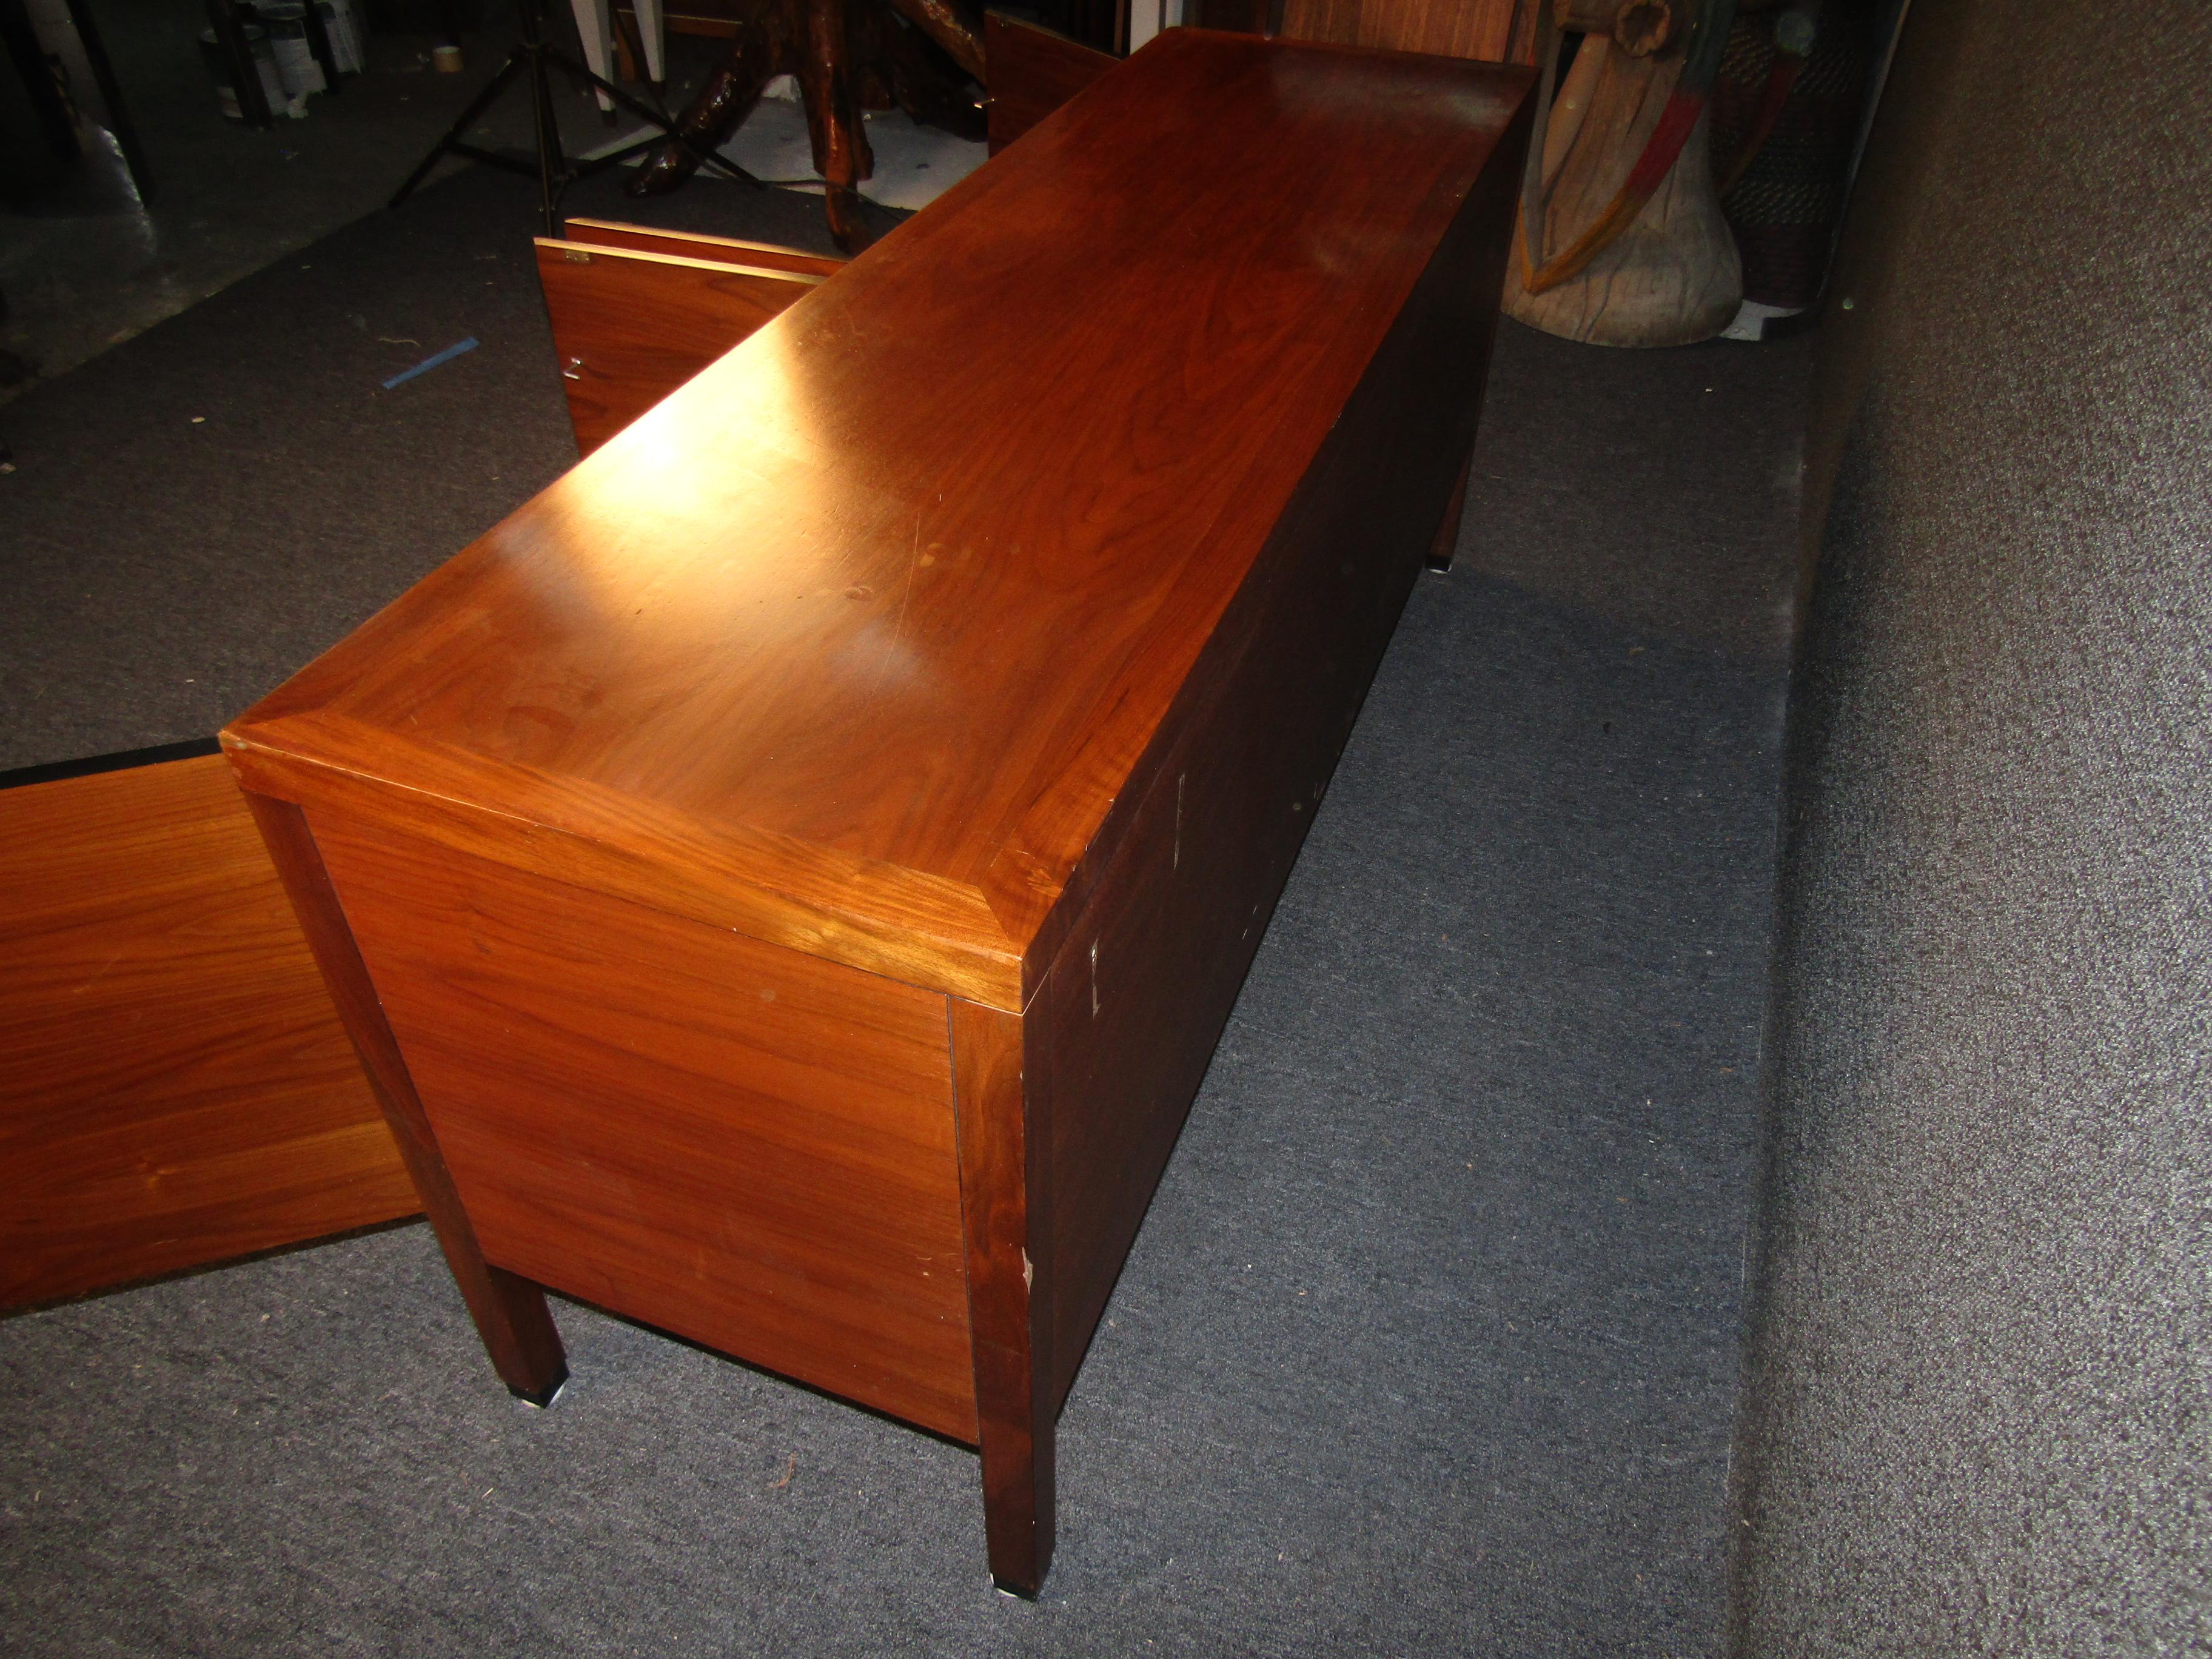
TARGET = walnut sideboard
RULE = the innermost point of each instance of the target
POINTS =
(786, 883)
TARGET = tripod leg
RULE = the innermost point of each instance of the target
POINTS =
(701, 155)
(318, 44)
(478, 106)
(552, 165)
(245, 73)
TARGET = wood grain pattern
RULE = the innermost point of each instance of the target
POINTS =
(629, 327)
(1033, 71)
(744, 1145)
(693, 245)
(176, 1088)
(1007, 1201)
(1495, 31)
(1140, 989)
(509, 1311)
(960, 658)
(951, 622)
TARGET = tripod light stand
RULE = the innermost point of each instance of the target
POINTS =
(535, 60)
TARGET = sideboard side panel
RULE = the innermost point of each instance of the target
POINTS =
(1141, 986)
(748, 1146)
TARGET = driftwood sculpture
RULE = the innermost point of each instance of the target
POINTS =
(847, 56)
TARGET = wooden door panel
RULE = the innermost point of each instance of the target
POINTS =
(630, 327)
(1033, 72)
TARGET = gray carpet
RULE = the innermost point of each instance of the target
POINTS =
(1431, 1342)
(1980, 1420)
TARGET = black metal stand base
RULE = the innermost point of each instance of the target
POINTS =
(554, 169)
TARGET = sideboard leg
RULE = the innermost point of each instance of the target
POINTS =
(1018, 1483)
(1006, 1209)
(1446, 544)
(509, 1311)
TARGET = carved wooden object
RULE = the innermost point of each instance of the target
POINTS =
(794, 872)
(847, 56)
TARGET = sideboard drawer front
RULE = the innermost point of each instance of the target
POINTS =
(748, 1146)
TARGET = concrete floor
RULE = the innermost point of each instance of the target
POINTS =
(98, 265)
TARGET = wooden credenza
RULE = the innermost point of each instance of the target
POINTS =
(787, 880)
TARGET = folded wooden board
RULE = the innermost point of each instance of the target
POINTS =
(175, 1088)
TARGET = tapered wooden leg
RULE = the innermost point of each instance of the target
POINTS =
(764, 46)
(1006, 1209)
(1447, 542)
(510, 1311)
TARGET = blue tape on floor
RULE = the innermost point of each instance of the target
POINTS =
(432, 361)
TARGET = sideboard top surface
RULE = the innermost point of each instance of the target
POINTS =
(881, 611)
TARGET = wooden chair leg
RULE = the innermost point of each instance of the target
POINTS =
(509, 1311)
(1006, 1210)
(1446, 544)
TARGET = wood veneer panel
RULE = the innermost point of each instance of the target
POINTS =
(630, 327)
(1496, 31)
(692, 245)
(809, 897)
(176, 1088)
(1145, 976)
(509, 1311)
(748, 1146)
(911, 578)
(1033, 71)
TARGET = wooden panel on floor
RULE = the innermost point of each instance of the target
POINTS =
(176, 1089)
(630, 327)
